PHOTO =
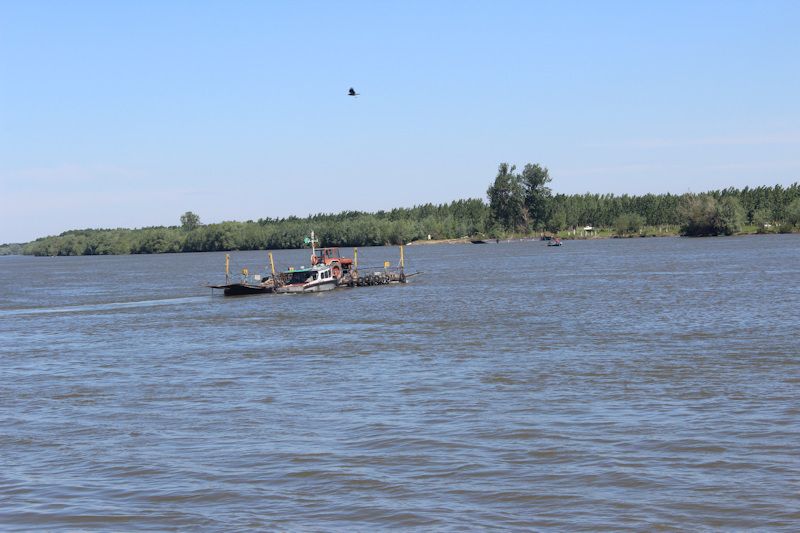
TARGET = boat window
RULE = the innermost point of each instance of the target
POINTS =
(297, 277)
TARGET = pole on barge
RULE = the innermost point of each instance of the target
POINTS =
(227, 268)
(402, 258)
(272, 265)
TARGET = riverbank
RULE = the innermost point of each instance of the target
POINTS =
(595, 233)
(230, 236)
(421, 242)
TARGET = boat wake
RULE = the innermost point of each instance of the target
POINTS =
(109, 306)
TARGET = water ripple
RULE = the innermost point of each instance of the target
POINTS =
(648, 384)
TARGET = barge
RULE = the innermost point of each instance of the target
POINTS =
(329, 270)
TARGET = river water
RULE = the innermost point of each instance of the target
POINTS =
(645, 384)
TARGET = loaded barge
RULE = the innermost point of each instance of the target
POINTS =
(329, 270)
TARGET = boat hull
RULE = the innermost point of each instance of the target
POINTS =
(306, 288)
(241, 289)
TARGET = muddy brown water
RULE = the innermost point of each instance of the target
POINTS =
(645, 384)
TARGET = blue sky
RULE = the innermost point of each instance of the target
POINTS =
(127, 114)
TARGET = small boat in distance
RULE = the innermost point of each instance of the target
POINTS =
(478, 241)
(555, 241)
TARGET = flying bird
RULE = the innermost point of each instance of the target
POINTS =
(352, 92)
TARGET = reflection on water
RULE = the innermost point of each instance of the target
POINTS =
(643, 384)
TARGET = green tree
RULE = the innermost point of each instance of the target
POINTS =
(699, 215)
(793, 213)
(705, 215)
(537, 194)
(730, 215)
(557, 220)
(628, 223)
(761, 217)
(507, 198)
(12, 249)
(189, 221)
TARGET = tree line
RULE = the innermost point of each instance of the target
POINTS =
(349, 228)
(519, 203)
(522, 202)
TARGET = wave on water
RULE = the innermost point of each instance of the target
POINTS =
(108, 306)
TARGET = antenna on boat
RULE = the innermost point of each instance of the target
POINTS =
(312, 241)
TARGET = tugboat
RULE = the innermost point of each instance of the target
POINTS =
(318, 278)
(328, 271)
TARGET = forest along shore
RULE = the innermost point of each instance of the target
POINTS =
(582, 235)
(521, 206)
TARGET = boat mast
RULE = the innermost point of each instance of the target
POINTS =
(313, 242)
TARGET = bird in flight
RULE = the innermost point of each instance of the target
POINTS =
(352, 92)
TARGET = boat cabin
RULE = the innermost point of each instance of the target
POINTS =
(296, 276)
(301, 276)
(314, 279)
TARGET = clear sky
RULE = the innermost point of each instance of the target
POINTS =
(127, 114)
